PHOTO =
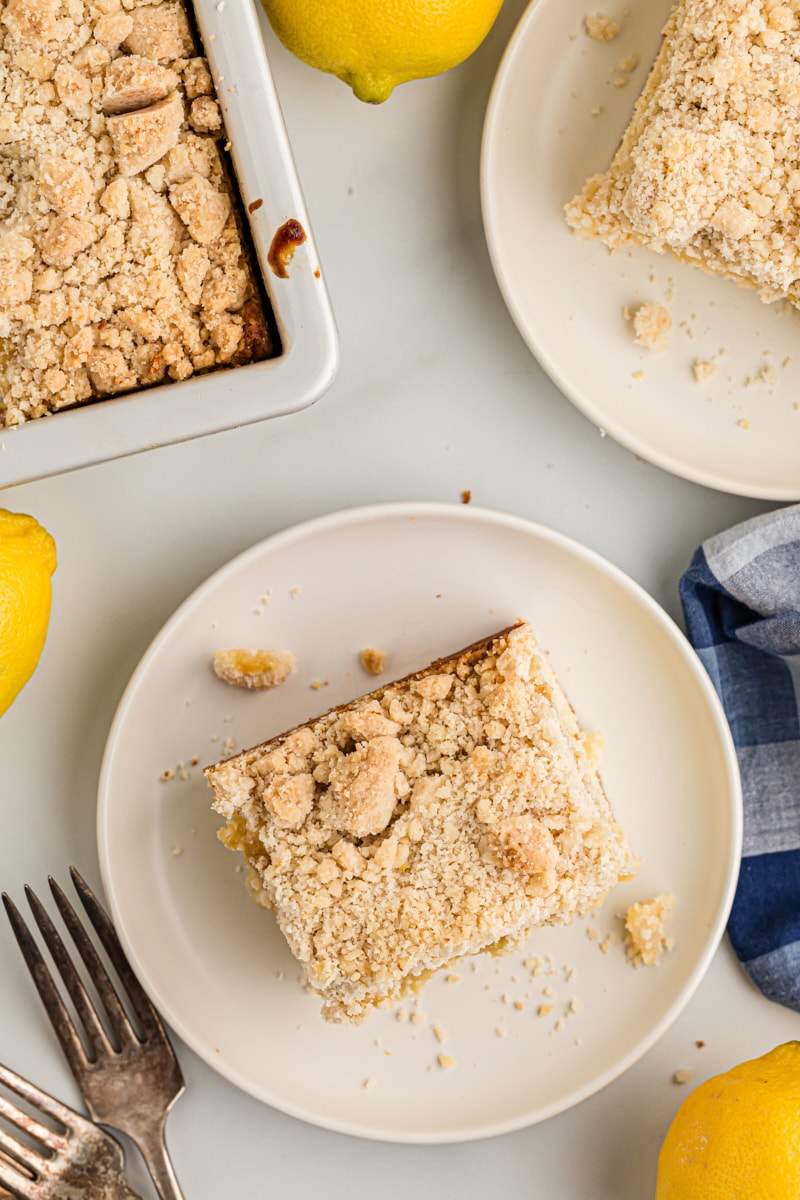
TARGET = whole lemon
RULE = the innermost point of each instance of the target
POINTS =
(27, 560)
(738, 1134)
(373, 45)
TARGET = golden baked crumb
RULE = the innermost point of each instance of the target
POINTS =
(646, 937)
(709, 166)
(768, 374)
(110, 279)
(704, 370)
(446, 813)
(373, 660)
(601, 28)
(260, 669)
(651, 325)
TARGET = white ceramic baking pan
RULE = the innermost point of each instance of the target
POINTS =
(227, 398)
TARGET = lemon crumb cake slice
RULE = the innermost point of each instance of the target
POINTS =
(446, 813)
(709, 167)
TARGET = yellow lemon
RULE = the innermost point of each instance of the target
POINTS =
(373, 46)
(738, 1134)
(27, 560)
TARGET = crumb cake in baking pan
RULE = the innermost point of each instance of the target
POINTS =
(123, 261)
(447, 813)
(709, 167)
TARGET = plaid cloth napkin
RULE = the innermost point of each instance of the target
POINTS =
(741, 600)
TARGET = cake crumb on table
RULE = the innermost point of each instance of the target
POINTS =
(652, 325)
(601, 27)
(446, 1061)
(373, 660)
(682, 1075)
(646, 930)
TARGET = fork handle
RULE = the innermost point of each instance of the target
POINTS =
(153, 1148)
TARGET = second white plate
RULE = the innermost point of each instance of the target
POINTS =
(555, 117)
(420, 581)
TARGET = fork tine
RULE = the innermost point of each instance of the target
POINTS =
(108, 936)
(54, 1005)
(12, 1178)
(67, 971)
(39, 1099)
(120, 1021)
(29, 1124)
(12, 1147)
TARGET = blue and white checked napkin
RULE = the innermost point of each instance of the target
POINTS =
(741, 600)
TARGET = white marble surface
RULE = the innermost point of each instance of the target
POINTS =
(436, 393)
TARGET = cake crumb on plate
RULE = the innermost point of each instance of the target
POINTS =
(259, 669)
(704, 370)
(652, 325)
(600, 27)
(646, 930)
(373, 660)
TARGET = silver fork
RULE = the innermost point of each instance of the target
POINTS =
(78, 1159)
(131, 1079)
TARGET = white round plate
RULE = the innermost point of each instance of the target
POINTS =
(420, 581)
(543, 137)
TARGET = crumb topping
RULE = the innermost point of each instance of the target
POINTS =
(107, 157)
(709, 167)
(447, 812)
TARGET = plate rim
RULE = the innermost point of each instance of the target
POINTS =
(491, 135)
(368, 514)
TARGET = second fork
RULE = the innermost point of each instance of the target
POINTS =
(129, 1078)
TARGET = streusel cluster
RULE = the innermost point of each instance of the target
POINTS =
(121, 260)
